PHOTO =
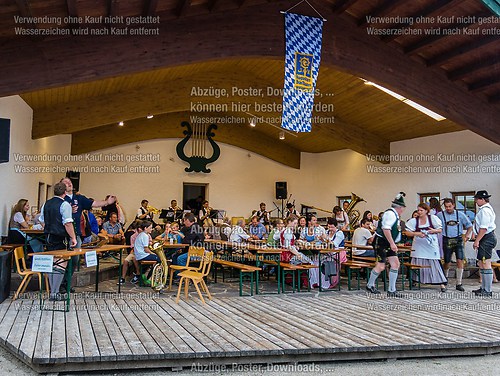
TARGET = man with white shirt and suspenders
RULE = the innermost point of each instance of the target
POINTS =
(485, 241)
(454, 222)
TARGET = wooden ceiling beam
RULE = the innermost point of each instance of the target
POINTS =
(427, 41)
(72, 8)
(30, 65)
(211, 4)
(342, 5)
(470, 69)
(462, 50)
(434, 6)
(150, 8)
(25, 11)
(182, 7)
(112, 6)
(73, 13)
(494, 98)
(385, 8)
(484, 84)
(168, 126)
(351, 50)
(24, 8)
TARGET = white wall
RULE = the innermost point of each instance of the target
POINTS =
(349, 172)
(240, 180)
(16, 185)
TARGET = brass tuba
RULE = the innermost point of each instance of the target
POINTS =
(159, 276)
(352, 213)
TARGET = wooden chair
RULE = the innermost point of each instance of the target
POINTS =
(194, 254)
(197, 278)
(27, 274)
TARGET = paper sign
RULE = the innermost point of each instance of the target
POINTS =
(42, 263)
(91, 258)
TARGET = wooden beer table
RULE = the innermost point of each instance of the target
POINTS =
(65, 254)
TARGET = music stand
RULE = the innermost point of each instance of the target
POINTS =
(167, 215)
(178, 215)
(214, 215)
(221, 214)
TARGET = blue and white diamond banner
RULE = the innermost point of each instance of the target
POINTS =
(303, 36)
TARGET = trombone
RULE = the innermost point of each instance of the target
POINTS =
(314, 207)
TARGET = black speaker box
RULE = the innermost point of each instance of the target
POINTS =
(5, 265)
(4, 140)
(281, 190)
(74, 176)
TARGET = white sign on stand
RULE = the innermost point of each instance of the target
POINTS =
(91, 258)
(42, 263)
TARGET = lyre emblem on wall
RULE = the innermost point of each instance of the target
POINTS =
(199, 134)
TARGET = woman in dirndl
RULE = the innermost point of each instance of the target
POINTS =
(425, 247)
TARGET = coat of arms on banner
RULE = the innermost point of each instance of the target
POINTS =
(303, 72)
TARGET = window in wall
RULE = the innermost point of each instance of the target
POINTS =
(49, 192)
(342, 199)
(41, 195)
(426, 197)
(464, 201)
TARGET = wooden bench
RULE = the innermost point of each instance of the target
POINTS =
(244, 271)
(356, 265)
(292, 269)
(412, 267)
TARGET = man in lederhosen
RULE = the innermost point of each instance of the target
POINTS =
(59, 233)
(485, 240)
(454, 222)
(388, 233)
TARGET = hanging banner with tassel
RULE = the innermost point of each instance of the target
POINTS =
(303, 54)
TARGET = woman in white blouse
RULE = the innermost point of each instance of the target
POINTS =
(342, 218)
(425, 248)
(18, 222)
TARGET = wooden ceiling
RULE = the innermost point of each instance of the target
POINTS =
(84, 85)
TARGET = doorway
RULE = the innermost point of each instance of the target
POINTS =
(193, 195)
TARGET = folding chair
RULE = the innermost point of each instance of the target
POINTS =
(197, 278)
(27, 274)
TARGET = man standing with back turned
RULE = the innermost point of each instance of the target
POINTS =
(388, 233)
(79, 203)
(59, 232)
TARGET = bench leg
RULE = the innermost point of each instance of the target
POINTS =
(251, 282)
(403, 273)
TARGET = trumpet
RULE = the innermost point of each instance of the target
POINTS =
(153, 210)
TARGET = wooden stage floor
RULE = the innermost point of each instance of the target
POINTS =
(152, 331)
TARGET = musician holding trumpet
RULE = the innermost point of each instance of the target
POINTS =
(143, 212)
(204, 215)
